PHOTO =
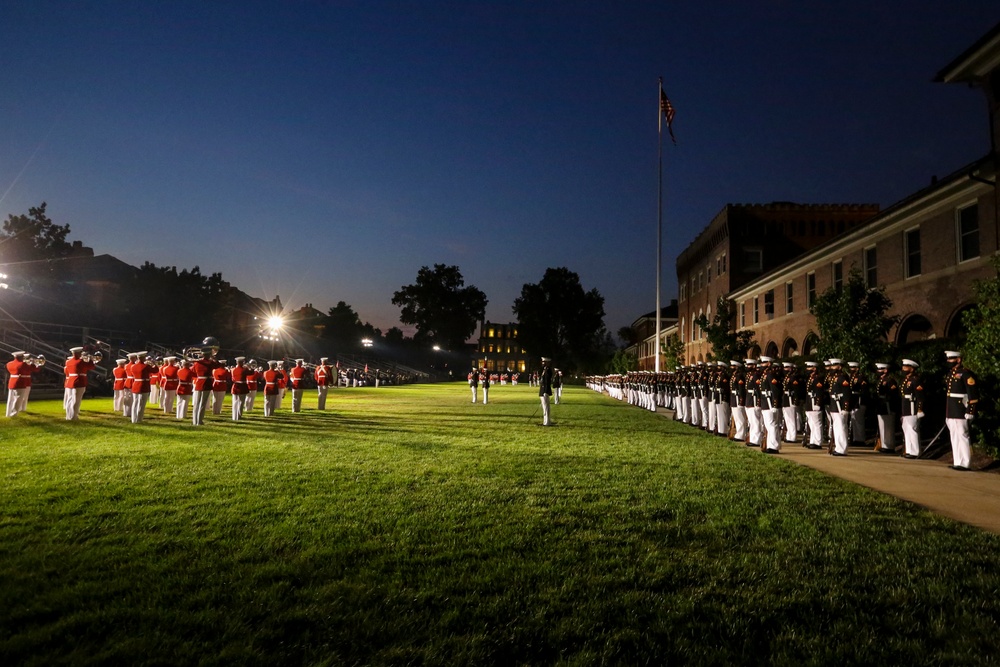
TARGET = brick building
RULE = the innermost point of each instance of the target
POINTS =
(744, 242)
(646, 348)
(499, 350)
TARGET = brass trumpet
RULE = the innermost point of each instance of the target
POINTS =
(35, 360)
(93, 357)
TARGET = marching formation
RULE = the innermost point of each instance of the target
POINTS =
(765, 403)
(195, 380)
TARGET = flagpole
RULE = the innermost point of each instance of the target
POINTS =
(659, 218)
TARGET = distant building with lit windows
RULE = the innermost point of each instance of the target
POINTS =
(499, 350)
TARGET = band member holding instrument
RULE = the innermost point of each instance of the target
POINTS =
(239, 387)
(324, 378)
(142, 379)
(76, 369)
(271, 389)
(168, 383)
(19, 384)
(119, 373)
(296, 377)
(252, 378)
(185, 387)
(203, 367)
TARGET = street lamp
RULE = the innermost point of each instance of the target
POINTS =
(367, 342)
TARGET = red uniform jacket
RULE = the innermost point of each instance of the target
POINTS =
(251, 379)
(76, 372)
(271, 379)
(20, 374)
(239, 375)
(221, 378)
(168, 377)
(297, 374)
(185, 381)
(323, 375)
(141, 378)
(203, 373)
(120, 374)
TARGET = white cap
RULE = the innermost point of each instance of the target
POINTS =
(546, 359)
(120, 361)
(323, 359)
(19, 353)
(881, 366)
(853, 364)
(240, 358)
(812, 364)
(749, 362)
(142, 354)
(952, 354)
(835, 362)
(132, 355)
(76, 349)
(272, 363)
(787, 364)
(910, 362)
(300, 361)
(765, 359)
(171, 358)
(734, 363)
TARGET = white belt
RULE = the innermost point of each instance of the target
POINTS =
(203, 377)
(73, 375)
(957, 395)
(15, 376)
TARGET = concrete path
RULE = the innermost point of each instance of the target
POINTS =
(969, 497)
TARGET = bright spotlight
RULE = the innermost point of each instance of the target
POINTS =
(275, 322)
(367, 342)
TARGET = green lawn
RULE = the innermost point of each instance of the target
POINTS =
(408, 526)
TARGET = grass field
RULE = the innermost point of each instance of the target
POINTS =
(405, 525)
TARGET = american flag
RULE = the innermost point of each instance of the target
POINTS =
(667, 109)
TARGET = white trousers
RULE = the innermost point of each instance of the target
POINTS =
(167, 398)
(961, 448)
(321, 392)
(740, 421)
(474, 390)
(791, 427)
(239, 403)
(756, 425)
(139, 406)
(772, 424)
(72, 397)
(722, 418)
(815, 419)
(887, 430)
(546, 411)
(199, 406)
(840, 436)
(713, 415)
(271, 402)
(297, 400)
(911, 434)
(14, 400)
(217, 398)
(183, 401)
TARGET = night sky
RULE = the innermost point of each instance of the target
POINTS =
(325, 151)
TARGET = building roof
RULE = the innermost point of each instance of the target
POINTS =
(975, 62)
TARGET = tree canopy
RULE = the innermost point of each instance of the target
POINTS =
(557, 318)
(32, 237)
(727, 344)
(444, 311)
(853, 323)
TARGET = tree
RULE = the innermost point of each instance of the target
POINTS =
(727, 344)
(557, 317)
(852, 321)
(32, 237)
(343, 324)
(672, 348)
(979, 353)
(622, 362)
(443, 310)
(628, 336)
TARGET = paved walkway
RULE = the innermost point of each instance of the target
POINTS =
(969, 497)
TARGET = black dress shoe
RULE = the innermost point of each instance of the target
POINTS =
(961, 468)
(886, 450)
(837, 454)
(909, 456)
(750, 444)
(771, 451)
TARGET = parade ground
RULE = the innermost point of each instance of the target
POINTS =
(407, 525)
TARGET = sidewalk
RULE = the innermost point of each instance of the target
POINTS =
(969, 497)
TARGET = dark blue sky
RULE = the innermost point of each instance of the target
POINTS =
(325, 151)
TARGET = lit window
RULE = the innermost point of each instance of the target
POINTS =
(756, 315)
(811, 289)
(789, 300)
(838, 276)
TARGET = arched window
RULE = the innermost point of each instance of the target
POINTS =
(913, 328)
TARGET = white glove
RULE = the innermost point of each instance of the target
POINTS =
(969, 416)
(920, 415)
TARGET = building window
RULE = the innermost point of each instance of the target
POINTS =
(968, 232)
(743, 314)
(683, 290)
(756, 315)
(838, 276)
(811, 289)
(683, 330)
(769, 304)
(708, 271)
(753, 260)
(871, 268)
(723, 264)
(911, 250)
(789, 300)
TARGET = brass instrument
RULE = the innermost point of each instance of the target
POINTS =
(93, 357)
(35, 360)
